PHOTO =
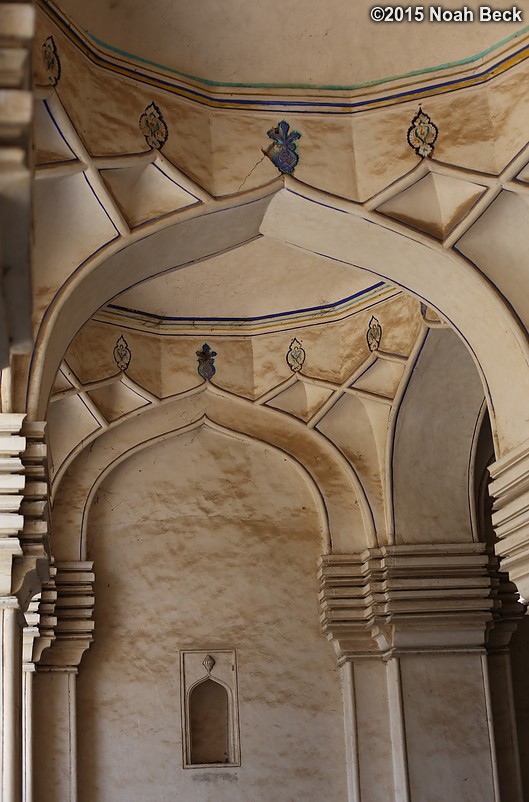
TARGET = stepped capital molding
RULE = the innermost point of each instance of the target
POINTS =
(24, 508)
(421, 598)
(510, 490)
(67, 606)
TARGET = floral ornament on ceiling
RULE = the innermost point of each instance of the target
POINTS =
(50, 56)
(295, 356)
(153, 127)
(206, 362)
(374, 334)
(422, 134)
(283, 150)
(122, 354)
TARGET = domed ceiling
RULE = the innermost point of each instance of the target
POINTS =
(320, 44)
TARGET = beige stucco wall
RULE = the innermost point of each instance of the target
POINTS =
(208, 541)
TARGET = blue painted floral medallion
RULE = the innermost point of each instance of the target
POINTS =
(283, 151)
(206, 362)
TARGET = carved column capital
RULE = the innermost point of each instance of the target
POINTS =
(510, 517)
(401, 599)
(12, 483)
(24, 508)
(73, 611)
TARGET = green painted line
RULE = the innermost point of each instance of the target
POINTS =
(326, 87)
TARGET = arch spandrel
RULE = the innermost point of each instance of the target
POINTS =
(474, 309)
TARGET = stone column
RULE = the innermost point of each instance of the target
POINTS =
(54, 694)
(11, 623)
(411, 626)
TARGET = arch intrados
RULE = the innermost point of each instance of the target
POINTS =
(334, 229)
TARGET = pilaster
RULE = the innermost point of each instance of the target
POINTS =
(69, 598)
(414, 628)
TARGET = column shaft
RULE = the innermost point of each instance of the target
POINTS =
(10, 704)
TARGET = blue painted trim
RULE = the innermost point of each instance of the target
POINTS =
(257, 318)
(54, 121)
(187, 191)
(302, 106)
(272, 85)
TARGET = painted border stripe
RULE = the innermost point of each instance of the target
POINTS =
(299, 106)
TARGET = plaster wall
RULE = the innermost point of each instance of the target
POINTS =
(191, 553)
(440, 412)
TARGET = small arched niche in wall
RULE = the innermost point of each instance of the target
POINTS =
(210, 718)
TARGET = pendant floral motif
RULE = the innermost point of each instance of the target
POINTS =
(422, 134)
(153, 127)
(51, 60)
(374, 334)
(206, 362)
(283, 151)
(295, 356)
(122, 354)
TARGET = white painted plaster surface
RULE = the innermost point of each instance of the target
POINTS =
(447, 734)
(206, 541)
(433, 442)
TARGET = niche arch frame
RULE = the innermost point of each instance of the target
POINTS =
(233, 727)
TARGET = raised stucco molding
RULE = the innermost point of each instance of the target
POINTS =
(419, 598)
(510, 517)
(73, 610)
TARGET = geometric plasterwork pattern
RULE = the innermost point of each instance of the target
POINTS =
(122, 198)
(360, 408)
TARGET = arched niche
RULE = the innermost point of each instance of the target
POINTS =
(322, 224)
(209, 705)
(195, 557)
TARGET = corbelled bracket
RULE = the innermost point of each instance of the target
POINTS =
(402, 599)
(71, 595)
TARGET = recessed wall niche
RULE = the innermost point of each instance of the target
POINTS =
(210, 713)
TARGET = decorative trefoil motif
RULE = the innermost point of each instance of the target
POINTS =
(51, 60)
(206, 362)
(374, 334)
(153, 127)
(122, 354)
(295, 356)
(283, 150)
(422, 134)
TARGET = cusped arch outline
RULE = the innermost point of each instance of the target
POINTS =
(333, 228)
(346, 519)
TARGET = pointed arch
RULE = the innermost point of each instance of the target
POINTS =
(330, 227)
(346, 519)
